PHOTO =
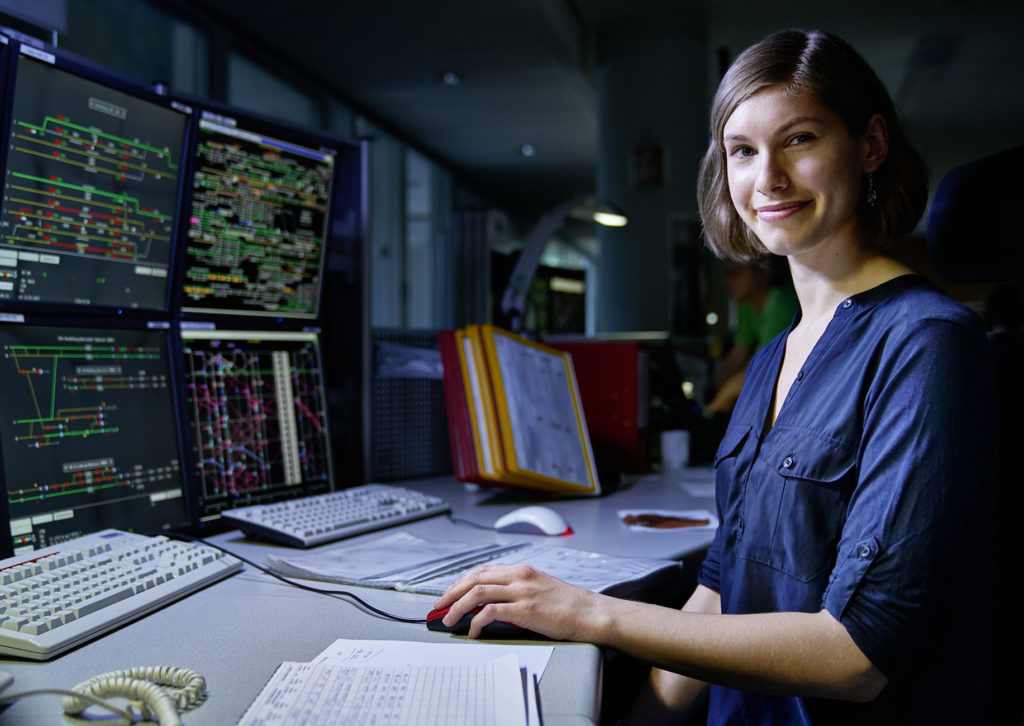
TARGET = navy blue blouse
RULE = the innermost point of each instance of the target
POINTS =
(870, 497)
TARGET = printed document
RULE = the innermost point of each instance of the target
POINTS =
(402, 561)
(490, 693)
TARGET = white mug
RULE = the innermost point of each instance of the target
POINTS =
(675, 449)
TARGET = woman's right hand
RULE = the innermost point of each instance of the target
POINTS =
(526, 597)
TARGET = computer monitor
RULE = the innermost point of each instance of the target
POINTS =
(89, 435)
(256, 415)
(92, 188)
(259, 217)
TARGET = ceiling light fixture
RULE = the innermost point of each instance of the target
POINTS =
(451, 78)
(528, 150)
(610, 219)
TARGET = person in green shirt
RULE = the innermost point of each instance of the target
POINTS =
(766, 305)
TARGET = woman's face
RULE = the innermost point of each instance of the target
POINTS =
(794, 173)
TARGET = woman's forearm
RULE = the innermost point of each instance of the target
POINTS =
(807, 654)
(667, 697)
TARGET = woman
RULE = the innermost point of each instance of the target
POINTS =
(847, 582)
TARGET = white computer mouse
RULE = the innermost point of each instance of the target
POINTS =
(533, 520)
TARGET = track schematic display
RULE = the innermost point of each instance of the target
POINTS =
(257, 226)
(90, 192)
(88, 432)
(257, 415)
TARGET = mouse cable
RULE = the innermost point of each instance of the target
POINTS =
(337, 594)
(488, 527)
(468, 523)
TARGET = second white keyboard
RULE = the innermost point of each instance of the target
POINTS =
(323, 518)
(60, 596)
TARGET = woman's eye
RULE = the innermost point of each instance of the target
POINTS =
(801, 139)
(742, 151)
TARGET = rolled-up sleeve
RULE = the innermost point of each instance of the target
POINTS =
(921, 491)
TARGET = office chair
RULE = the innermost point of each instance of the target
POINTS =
(974, 236)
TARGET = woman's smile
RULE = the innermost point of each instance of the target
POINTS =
(778, 212)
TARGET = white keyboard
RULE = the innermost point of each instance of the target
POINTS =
(58, 597)
(323, 518)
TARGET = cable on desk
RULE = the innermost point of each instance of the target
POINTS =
(12, 697)
(458, 520)
(488, 527)
(288, 581)
(153, 693)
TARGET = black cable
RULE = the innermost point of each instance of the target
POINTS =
(488, 527)
(457, 520)
(288, 581)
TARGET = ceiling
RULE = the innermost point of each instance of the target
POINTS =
(527, 72)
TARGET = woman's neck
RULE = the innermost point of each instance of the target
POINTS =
(820, 288)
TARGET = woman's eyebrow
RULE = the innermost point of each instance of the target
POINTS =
(782, 128)
(797, 121)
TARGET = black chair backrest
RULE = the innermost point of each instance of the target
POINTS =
(975, 236)
(974, 222)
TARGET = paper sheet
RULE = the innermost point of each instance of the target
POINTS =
(405, 562)
(592, 570)
(390, 559)
(398, 652)
(541, 412)
(333, 692)
(533, 659)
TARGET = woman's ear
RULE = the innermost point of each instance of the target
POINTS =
(876, 143)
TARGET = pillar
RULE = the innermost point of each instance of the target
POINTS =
(652, 82)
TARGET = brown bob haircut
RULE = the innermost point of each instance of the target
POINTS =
(834, 74)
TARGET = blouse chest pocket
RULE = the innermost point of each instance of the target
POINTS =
(794, 502)
(727, 468)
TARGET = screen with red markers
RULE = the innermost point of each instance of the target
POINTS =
(91, 190)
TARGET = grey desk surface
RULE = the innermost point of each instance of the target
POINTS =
(595, 521)
(237, 631)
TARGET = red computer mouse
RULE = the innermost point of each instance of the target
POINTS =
(494, 629)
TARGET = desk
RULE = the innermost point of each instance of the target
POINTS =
(595, 521)
(237, 631)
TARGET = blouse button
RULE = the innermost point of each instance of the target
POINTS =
(800, 375)
(864, 551)
(787, 463)
(847, 303)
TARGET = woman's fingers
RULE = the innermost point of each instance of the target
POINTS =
(483, 575)
(481, 586)
(518, 594)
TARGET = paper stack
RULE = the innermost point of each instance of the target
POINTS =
(405, 684)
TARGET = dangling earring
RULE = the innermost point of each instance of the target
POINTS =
(872, 193)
